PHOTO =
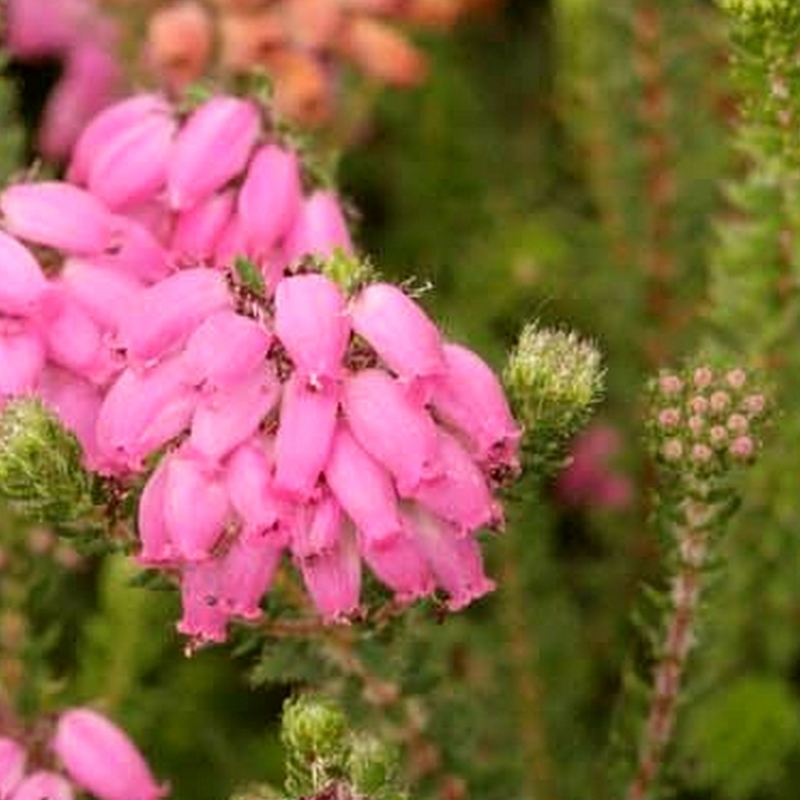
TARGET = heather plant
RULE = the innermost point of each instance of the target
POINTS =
(460, 464)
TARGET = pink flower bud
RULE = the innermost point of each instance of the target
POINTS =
(702, 377)
(58, 215)
(455, 560)
(311, 322)
(736, 378)
(399, 331)
(225, 350)
(12, 765)
(43, 784)
(100, 758)
(470, 398)
(742, 448)
(173, 309)
(136, 253)
(719, 401)
(37, 30)
(397, 433)
(696, 424)
(672, 450)
(107, 126)
(226, 419)
(754, 404)
(252, 494)
(670, 385)
(333, 578)
(669, 417)
(319, 229)
(22, 282)
(362, 487)
(303, 441)
(699, 404)
(270, 198)
(199, 229)
(196, 506)
(212, 147)
(737, 423)
(702, 453)
(130, 167)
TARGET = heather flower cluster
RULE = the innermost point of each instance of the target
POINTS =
(291, 416)
(75, 33)
(91, 754)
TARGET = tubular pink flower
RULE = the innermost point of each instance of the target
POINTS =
(199, 229)
(43, 785)
(12, 765)
(305, 433)
(333, 578)
(311, 323)
(173, 309)
(224, 350)
(470, 398)
(22, 356)
(274, 173)
(22, 281)
(460, 494)
(157, 547)
(249, 483)
(363, 488)
(107, 126)
(399, 331)
(391, 428)
(224, 420)
(37, 29)
(400, 565)
(454, 559)
(246, 574)
(316, 527)
(204, 619)
(106, 295)
(319, 229)
(58, 215)
(100, 758)
(136, 253)
(130, 167)
(212, 147)
(142, 411)
(196, 506)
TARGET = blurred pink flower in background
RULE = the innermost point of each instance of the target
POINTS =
(591, 479)
(76, 34)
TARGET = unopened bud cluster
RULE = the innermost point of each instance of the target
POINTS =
(705, 421)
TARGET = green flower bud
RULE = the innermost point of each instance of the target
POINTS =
(759, 11)
(372, 766)
(554, 379)
(41, 467)
(349, 272)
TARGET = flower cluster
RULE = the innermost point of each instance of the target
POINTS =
(291, 415)
(93, 755)
(76, 34)
(705, 420)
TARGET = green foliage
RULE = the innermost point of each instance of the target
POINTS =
(11, 132)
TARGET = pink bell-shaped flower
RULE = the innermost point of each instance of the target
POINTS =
(43, 784)
(12, 765)
(101, 759)
(22, 281)
(319, 229)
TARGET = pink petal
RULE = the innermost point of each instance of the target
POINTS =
(317, 527)
(311, 322)
(246, 574)
(391, 428)
(225, 350)
(319, 229)
(136, 252)
(213, 147)
(196, 507)
(224, 420)
(22, 357)
(305, 432)
(166, 314)
(204, 618)
(401, 566)
(270, 197)
(58, 215)
(399, 331)
(157, 548)
(199, 229)
(362, 487)
(22, 281)
(12, 765)
(102, 759)
(43, 784)
(469, 397)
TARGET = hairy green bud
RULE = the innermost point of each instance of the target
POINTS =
(41, 468)
(349, 272)
(554, 379)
